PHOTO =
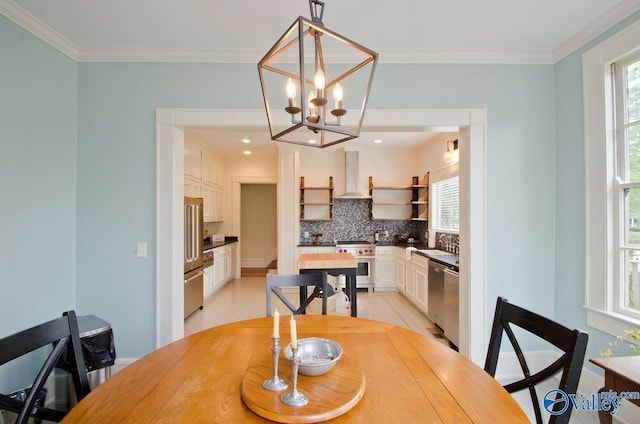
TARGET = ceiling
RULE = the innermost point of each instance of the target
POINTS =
(229, 140)
(407, 31)
(402, 30)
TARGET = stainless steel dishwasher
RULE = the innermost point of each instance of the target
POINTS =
(451, 307)
(436, 293)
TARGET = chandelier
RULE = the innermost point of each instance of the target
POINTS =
(297, 75)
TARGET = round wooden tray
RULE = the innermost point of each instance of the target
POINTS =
(330, 395)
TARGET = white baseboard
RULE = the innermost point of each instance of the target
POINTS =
(255, 262)
(122, 363)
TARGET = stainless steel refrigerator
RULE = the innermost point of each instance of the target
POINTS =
(193, 272)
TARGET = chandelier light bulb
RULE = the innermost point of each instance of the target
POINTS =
(291, 91)
(319, 81)
(337, 95)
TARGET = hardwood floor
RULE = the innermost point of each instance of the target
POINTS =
(244, 298)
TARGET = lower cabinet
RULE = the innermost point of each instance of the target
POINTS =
(385, 273)
(400, 269)
(209, 280)
(223, 269)
(417, 272)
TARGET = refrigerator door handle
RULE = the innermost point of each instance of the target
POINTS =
(196, 242)
(187, 242)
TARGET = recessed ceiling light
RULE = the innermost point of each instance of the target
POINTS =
(312, 141)
(377, 141)
(246, 140)
(247, 152)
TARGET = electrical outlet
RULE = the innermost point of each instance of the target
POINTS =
(306, 234)
(386, 233)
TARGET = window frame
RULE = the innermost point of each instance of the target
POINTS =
(621, 183)
(434, 178)
(602, 211)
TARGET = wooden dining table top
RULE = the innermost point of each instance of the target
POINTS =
(408, 377)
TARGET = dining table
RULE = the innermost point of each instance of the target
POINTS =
(386, 374)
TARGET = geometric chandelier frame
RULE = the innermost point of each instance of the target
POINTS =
(298, 75)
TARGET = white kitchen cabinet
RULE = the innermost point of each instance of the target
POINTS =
(400, 269)
(316, 249)
(209, 165)
(192, 188)
(385, 268)
(209, 281)
(223, 268)
(212, 199)
(204, 177)
(417, 281)
(235, 261)
(192, 159)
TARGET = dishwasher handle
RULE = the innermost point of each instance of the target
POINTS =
(437, 267)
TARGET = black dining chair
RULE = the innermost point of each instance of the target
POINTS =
(321, 290)
(61, 335)
(571, 343)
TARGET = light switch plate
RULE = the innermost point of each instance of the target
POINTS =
(141, 250)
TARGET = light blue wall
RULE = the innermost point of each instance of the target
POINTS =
(116, 171)
(570, 212)
(116, 179)
(38, 110)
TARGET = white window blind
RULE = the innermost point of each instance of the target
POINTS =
(446, 204)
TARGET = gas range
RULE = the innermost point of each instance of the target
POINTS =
(358, 248)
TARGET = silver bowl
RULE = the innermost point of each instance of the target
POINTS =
(317, 355)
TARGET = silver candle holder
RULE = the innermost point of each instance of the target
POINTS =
(275, 383)
(294, 397)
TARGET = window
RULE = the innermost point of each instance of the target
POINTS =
(612, 173)
(626, 74)
(445, 205)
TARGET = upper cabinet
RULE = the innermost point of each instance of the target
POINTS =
(204, 177)
(316, 203)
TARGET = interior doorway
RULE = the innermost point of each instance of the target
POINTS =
(258, 228)
(471, 124)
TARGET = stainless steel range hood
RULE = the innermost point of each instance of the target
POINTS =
(352, 161)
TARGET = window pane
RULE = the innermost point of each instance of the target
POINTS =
(445, 213)
(633, 92)
(633, 143)
(632, 217)
(631, 291)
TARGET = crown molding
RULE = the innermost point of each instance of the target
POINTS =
(38, 28)
(171, 55)
(466, 56)
(607, 21)
(253, 56)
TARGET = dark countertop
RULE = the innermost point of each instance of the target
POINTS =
(227, 240)
(450, 261)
